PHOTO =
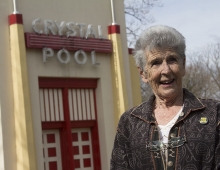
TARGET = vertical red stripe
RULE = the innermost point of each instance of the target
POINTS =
(58, 104)
(63, 149)
(71, 95)
(77, 104)
(69, 147)
(90, 105)
(96, 153)
(81, 105)
(54, 108)
(87, 118)
(44, 106)
(49, 102)
(95, 147)
(95, 109)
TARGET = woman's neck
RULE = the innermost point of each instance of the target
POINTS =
(166, 109)
(161, 102)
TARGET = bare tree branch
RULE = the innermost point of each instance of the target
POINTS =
(137, 17)
(203, 72)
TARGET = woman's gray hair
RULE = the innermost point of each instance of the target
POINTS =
(158, 37)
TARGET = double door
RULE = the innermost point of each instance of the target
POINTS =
(69, 125)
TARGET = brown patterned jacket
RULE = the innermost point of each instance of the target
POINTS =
(194, 140)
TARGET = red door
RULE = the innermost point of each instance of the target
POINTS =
(70, 129)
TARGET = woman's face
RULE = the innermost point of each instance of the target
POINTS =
(164, 71)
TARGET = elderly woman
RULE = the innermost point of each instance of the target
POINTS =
(173, 129)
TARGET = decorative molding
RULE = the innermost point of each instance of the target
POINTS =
(52, 125)
(15, 19)
(114, 29)
(34, 40)
(46, 82)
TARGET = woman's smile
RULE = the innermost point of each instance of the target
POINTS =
(166, 82)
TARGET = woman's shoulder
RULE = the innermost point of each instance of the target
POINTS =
(137, 108)
(210, 102)
(207, 102)
(128, 113)
(212, 106)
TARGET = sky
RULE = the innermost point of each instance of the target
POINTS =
(197, 20)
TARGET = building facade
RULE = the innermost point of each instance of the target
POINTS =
(66, 78)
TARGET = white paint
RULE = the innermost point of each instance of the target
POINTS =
(74, 103)
(51, 101)
(72, 31)
(59, 56)
(84, 98)
(55, 28)
(83, 54)
(79, 104)
(41, 94)
(93, 56)
(56, 104)
(70, 103)
(51, 104)
(49, 27)
(34, 26)
(60, 27)
(60, 96)
(90, 31)
(48, 53)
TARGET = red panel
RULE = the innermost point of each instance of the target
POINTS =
(52, 152)
(87, 162)
(74, 137)
(130, 50)
(86, 149)
(72, 43)
(76, 163)
(83, 124)
(50, 138)
(75, 150)
(65, 156)
(113, 29)
(15, 19)
(52, 125)
(68, 128)
(95, 147)
(85, 136)
(45, 82)
(52, 165)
